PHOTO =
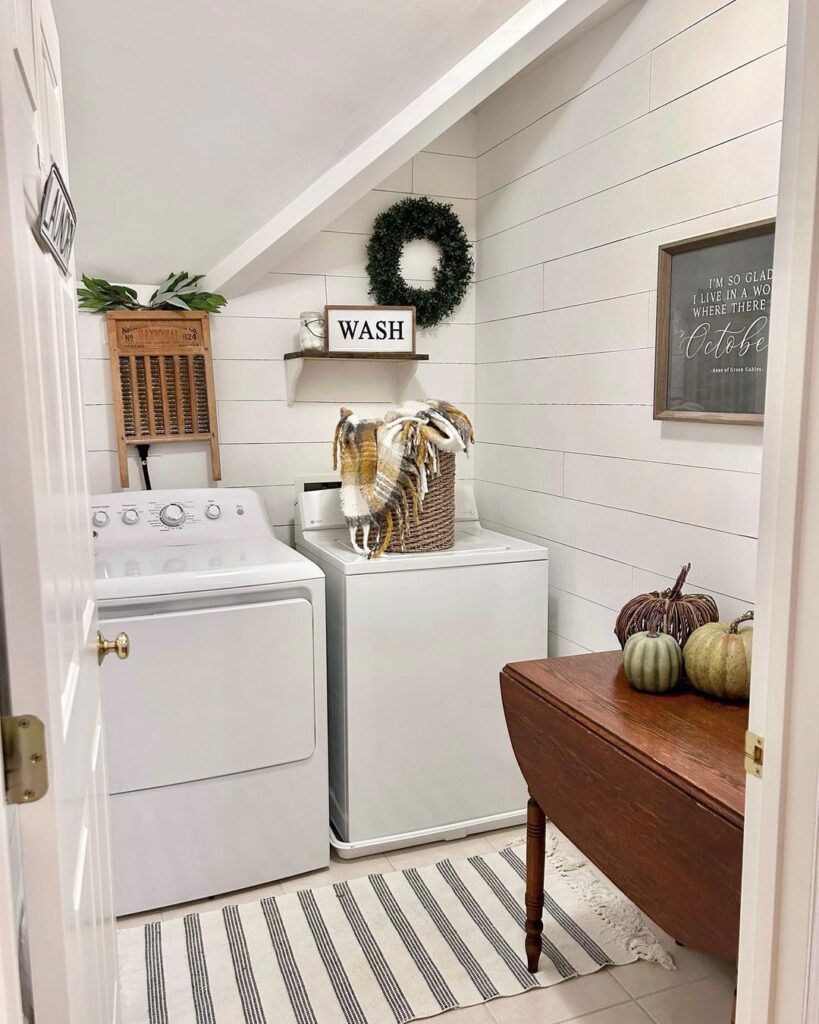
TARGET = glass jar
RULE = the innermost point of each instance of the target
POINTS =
(311, 331)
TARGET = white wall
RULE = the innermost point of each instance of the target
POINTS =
(265, 443)
(661, 123)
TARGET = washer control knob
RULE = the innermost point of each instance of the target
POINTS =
(172, 515)
(100, 518)
(130, 516)
(213, 511)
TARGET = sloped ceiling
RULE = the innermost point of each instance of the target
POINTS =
(191, 122)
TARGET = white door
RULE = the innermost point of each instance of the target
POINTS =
(779, 935)
(67, 940)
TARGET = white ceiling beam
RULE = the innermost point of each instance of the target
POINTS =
(537, 27)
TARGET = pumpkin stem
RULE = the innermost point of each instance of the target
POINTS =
(676, 590)
(653, 633)
(734, 627)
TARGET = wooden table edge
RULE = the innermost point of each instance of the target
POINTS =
(628, 749)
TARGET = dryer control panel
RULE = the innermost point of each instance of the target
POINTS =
(184, 516)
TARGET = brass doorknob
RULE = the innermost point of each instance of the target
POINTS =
(120, 645)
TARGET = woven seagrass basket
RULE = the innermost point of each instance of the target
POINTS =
(435, 529)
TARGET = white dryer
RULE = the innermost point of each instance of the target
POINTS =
(418, 743)
(215, 726)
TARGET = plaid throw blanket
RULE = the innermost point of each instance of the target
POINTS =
(387, 465)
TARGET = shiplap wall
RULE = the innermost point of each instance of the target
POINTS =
(265, 443)
(660, 123)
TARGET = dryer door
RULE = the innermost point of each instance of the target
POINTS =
(210, 692)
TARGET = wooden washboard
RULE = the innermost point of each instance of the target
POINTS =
(162, 376)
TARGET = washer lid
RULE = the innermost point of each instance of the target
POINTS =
(473, 546)
(145, 571)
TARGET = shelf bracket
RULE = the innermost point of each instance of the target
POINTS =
(404, 375)
(292, 371)
(404, 366)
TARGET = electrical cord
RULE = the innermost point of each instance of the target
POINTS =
(142, 449)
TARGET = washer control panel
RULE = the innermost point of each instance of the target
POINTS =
(172, 514)
(186, 516)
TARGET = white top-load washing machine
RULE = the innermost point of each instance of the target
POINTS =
(419, 748)
(215, 726)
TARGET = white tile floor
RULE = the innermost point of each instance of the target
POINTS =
(700, 991)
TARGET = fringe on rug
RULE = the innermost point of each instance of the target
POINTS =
(623, 917)
(617, 912)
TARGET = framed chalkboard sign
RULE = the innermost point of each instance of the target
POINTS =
(713, 314)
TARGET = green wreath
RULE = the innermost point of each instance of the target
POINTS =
(406, 220)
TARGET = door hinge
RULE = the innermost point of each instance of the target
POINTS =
(754, 754)
(24, 758)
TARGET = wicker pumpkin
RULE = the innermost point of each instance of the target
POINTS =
(669, 611)
(718, 658)
(652, 661)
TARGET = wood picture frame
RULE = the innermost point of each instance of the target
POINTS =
(724, 326)
(375, 345)
(162, 380)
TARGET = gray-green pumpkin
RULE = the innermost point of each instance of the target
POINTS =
(718, 658)
(652, 661)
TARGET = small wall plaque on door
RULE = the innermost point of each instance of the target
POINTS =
(58, 220)
(162, 375)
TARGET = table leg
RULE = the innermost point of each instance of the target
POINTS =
(535, 856)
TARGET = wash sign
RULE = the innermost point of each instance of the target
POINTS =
(370, 330)
(58, 221)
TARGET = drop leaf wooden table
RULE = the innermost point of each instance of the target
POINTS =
(650, 788)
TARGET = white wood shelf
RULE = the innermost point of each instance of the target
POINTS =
(295, 364)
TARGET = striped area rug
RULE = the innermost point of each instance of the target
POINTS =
(380, 949)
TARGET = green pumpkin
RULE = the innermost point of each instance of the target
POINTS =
(718, 658)
(652, 661)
